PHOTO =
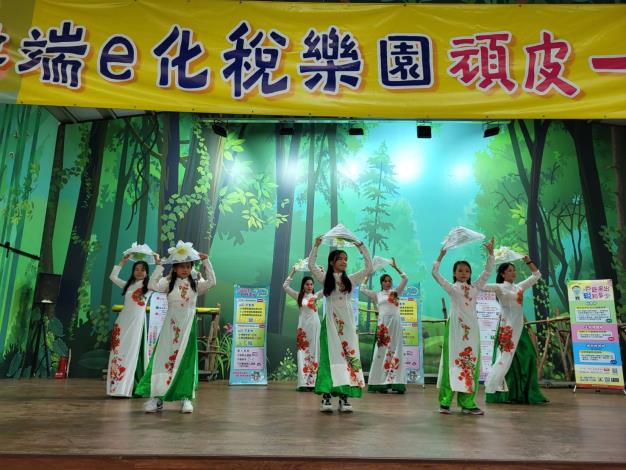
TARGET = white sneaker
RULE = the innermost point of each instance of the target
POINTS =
(344, 406)
(153, 405)
(326, 406)
(186, 407)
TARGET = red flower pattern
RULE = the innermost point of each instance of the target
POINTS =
(520, 297)
(339, 323)
(467, 362)
(311, 304)
(353, 364)
(382, 336)
(117, 370)
(505, 339)
(309, 370)
(115, 337)
(176, 330)
(169, 366)
(466, 329)
(138, 297)
(391, 365)
(301, 341)
(393, 298)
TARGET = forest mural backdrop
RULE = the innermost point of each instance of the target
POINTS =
(78, 195)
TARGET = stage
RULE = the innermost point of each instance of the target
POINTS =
(72, 424)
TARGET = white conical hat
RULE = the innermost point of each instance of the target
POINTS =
(302, 265)
(505, 255)
(460, 236)
(339, 236)
(140, 253)
(181, 253)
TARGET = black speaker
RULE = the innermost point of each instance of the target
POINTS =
(47, 288)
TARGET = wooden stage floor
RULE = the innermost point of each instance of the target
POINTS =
(71, 424)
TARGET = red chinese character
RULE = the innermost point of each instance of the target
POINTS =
(482, 56)
(545, 66)
(608, 63)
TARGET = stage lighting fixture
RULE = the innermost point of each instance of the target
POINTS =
(286, 130)
(356, 131)
(424, 131)
(219, 129)
(491, 130)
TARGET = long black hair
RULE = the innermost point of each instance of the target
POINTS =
(329, 280)
(382, 278)
(500, 276)
(301, 293)
(469, 281)
(132, 280)
(173, 277)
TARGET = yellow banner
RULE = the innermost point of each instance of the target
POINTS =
(306, 59)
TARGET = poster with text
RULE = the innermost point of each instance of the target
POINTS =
(488, 313)
(410, 311)
(595, 338)
(248, 365)
(158, 310)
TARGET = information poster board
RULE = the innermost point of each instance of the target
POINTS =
(595, 337)
(158, 310)
(413, 346)
(488, 313)
(248, 364)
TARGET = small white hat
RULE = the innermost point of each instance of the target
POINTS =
(140, 253)
(505, 255)
(183, 252)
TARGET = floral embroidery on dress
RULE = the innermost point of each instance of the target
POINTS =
(339, 323)
(183, 288)
(117, 371)
(391, 365)
(309, 370)
(169, 366)
(353, 364)
(467, 362)
(176, 330)
(466, 329)
(520, 297)
(505, 339)
(138, 297)
(382, 336)
(301, 340)
(393, 298)
(311, 304)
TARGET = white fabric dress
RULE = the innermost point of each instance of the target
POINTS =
(464, 333)
(128, 338)
(510, 328)
(307, 336)
(388, 361)
(175, 335)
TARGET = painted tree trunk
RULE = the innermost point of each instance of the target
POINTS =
(582, 135)
(310, 193)
(332, 155)
(116, 219)
(169, 171)
(285, 163)
(82, 225)
(535, 229)
(46, 264)
(194, 227)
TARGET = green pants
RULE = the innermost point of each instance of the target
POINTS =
(465, 400)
